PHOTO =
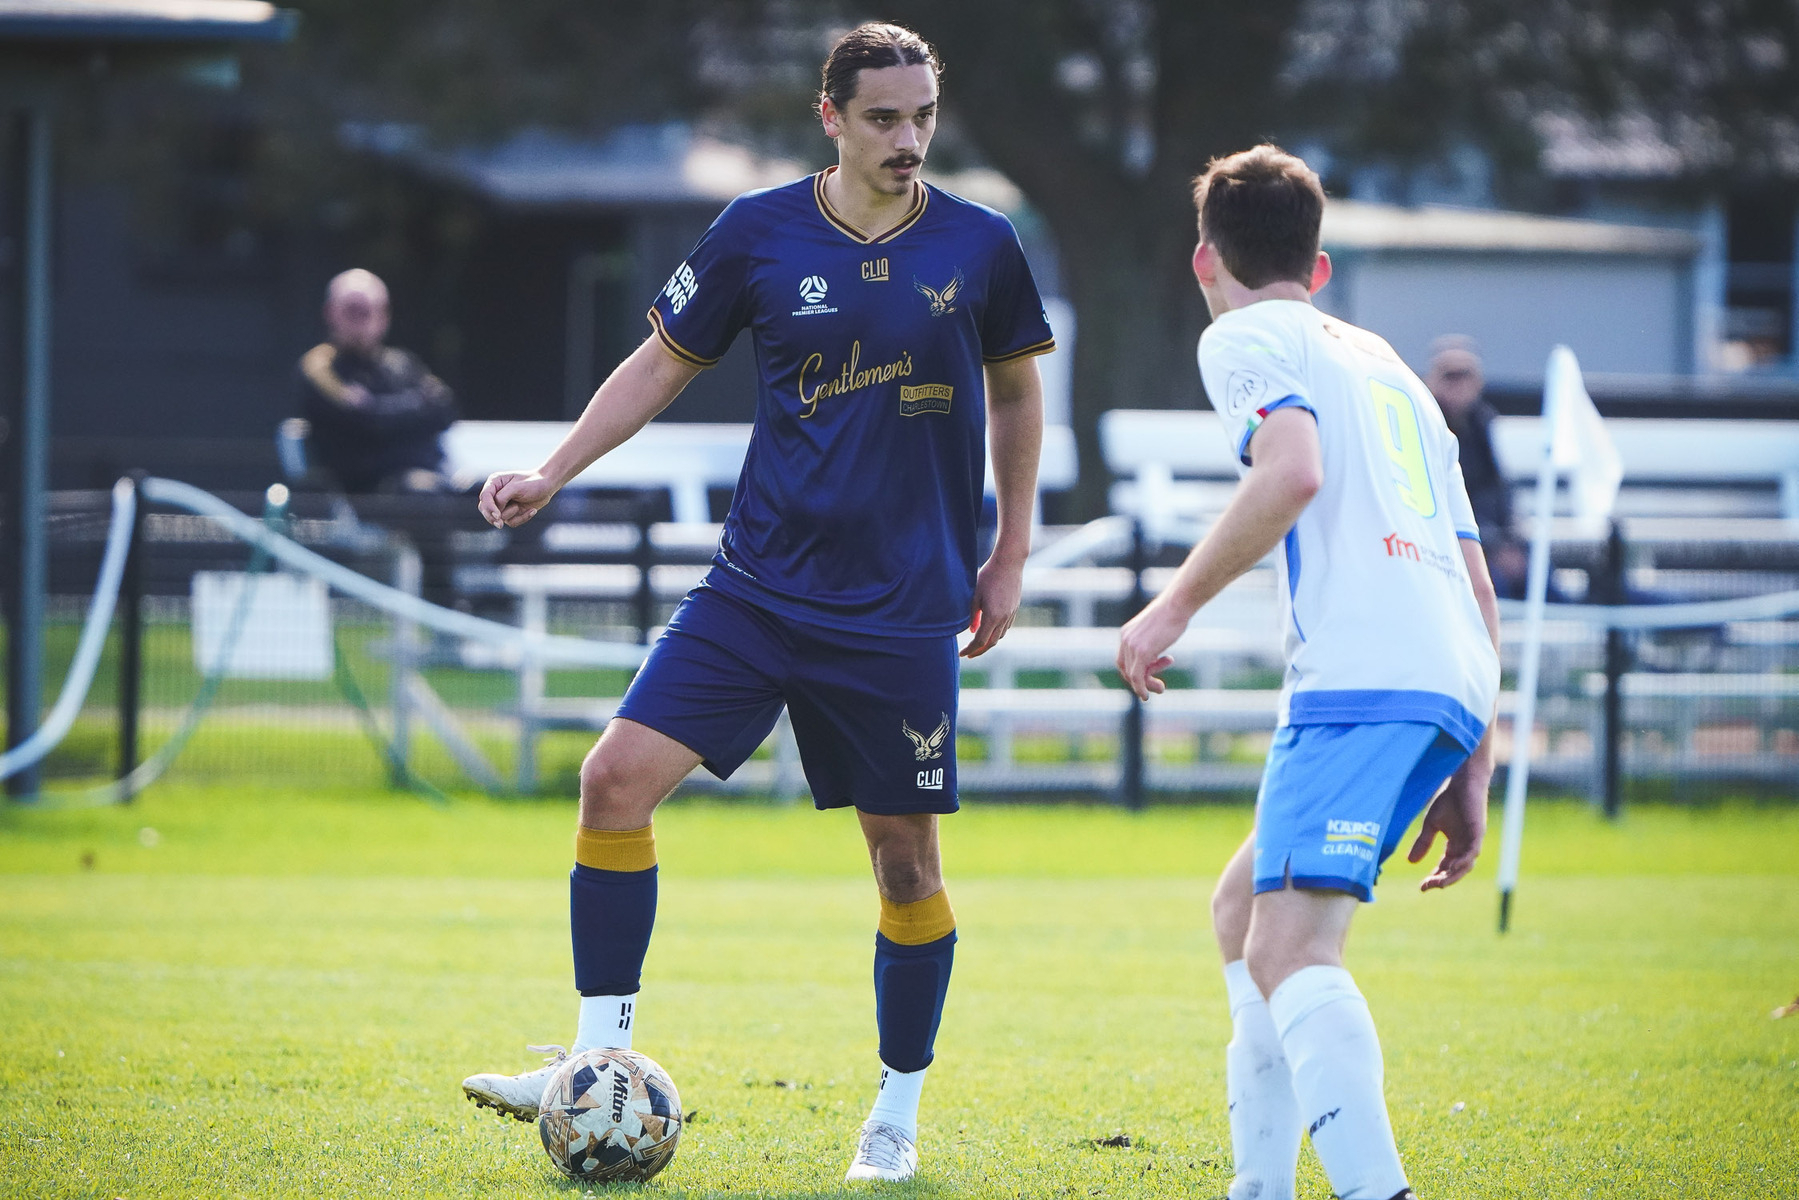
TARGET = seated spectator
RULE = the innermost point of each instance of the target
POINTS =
(376, 412)
(1456, 380)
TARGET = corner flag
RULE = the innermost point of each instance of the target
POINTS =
(1575, 442)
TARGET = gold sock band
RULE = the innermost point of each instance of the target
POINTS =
(919, 922)
(616, 849)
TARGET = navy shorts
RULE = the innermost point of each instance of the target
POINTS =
(1336, 799)
(874, 717)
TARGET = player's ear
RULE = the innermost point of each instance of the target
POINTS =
(1321, 272)
(1205, 264)
(829, 117)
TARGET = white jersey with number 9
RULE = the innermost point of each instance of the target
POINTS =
(1381, 621)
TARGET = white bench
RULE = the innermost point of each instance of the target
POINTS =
(687, 458)
(1179, 462)
(1171, 463)
(1664, 453)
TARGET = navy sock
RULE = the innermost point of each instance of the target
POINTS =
(910, 984)
(610, 916)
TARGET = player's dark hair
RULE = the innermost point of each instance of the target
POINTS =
(872, 45)
(1262, 210)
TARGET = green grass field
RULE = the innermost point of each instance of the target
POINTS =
(275, 993)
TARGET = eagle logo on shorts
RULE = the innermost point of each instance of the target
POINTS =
(943, 300)
(925, 748)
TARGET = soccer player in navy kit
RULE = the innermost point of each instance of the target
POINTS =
(895, 327)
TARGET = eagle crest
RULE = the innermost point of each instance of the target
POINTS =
(943, 302)
(926, 747)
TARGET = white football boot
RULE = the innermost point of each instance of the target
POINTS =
(883, 1152)
(517, 1096)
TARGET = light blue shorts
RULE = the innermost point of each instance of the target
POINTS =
(1336, 799)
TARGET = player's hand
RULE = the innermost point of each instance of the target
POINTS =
(1459, 813)
(998, 591)
(1142, 646)
(510, 498)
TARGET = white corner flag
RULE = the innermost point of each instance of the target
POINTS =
(1575, 442)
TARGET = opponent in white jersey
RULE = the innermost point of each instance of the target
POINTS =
(1349, 475)
(1381, 623)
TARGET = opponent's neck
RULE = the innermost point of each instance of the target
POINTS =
(1227, 295)
(868, 211)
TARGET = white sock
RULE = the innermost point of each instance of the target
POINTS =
(606, 1021)
(1329, 1037)
(896, 1104)
(1265, 1124)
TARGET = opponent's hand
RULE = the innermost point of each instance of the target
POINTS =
(1142, 643)
(1459, 813)
(510, 498)
(998, 591)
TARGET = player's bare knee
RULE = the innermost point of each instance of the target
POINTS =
(906, 878)
(611, 793)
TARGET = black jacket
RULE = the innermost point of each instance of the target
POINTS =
(395, 431)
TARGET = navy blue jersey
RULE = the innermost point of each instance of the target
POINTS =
(857, 505)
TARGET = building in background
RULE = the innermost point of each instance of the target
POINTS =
(522, 271)
(1626, 298)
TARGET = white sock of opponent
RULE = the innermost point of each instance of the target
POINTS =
(1329, 1037)
(605, 1022)
(896, 1103)
(1265, 1124)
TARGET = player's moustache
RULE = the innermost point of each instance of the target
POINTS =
(904, 160)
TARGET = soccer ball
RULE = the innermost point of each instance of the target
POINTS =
(610, 1115)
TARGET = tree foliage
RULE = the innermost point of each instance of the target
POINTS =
(1101, 111)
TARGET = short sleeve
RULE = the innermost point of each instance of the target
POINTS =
(1013, 324)
(1248, 373)
(705, 303)
(1461, 509)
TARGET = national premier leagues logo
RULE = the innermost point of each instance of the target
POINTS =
(943, 299)
(813, 290)
(926, 747)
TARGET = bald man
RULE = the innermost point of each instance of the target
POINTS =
(376, 412)
(1456, 380)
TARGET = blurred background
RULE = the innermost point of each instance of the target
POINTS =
(1619, 178)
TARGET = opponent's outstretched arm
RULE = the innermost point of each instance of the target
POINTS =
(1015, 429)
(1459, 812)
(1287, 472)
(641, 386)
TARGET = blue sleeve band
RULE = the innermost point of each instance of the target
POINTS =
(1260, 415)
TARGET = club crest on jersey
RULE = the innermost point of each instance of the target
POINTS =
(927, 746)
(1245, 390)
(943, 299)
(813, 290)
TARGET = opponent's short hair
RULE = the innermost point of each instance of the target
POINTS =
(1262, 210)
(872, 45)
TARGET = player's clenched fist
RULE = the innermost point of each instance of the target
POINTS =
(510, 498)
